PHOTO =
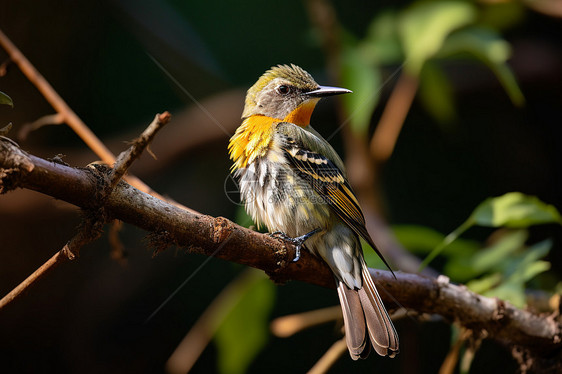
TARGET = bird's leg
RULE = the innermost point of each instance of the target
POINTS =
(298, 242)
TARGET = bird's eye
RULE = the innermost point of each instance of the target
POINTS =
(283, 89)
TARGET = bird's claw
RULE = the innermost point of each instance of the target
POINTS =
(298, 242)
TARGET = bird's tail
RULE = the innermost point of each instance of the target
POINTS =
(366, 320)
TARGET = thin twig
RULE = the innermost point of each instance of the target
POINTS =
(50, 119)
(88, 233)
(450, 362)
(126, 158)
(70, 117)
(117, 248)
(393, 117)
(56, 101)
(288, 325)
(329, 358)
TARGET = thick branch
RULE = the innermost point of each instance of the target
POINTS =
(224, 239)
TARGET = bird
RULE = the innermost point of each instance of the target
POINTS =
(292, 181)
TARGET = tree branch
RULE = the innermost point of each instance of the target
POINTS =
(67, 114)
(170, 225)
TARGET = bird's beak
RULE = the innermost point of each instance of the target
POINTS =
(323, 91)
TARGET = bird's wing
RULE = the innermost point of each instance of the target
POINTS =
(331, 184)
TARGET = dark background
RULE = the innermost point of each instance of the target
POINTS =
(89, 316)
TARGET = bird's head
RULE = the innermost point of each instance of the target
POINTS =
(287, 93)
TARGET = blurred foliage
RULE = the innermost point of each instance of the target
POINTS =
(6, 100)
(502, 267)
(245, 330)
(512, 210)
(419, 39)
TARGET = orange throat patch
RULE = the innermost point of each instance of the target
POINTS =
(300, 116)
(254, 136)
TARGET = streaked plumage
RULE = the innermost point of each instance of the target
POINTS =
(293, 181)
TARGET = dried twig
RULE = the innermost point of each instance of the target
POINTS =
(89, 232)
(126, 159)
(70, 117)
(50, 119)
(288, 325)
(329, 358)
(393, 117)
(56, 101)
(117, 248)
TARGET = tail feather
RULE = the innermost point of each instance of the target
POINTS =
(366, 320)
(354, 322)
(381, 329)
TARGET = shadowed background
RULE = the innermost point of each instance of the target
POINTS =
(90, 315)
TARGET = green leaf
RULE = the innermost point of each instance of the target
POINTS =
(512, 292)
(446, 242)
(6, 129)
(463, 268)
(364, 80)
(517, 268)
(382, 45)
(5, 99)
(421, 240)
(491, 49)
(514, 210)
(436, 93)
(490, 257)
(244, 331)
(485, 283)
(509, 282)
(425, 26)
(502, 15)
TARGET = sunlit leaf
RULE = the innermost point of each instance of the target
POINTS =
(364, 80)
(6, 100)
(244, 331)
(491, 49)
(514, 210)
(436, 93)
(425, 26)
(485, 283)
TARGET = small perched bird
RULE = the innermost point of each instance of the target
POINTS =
(294, 182)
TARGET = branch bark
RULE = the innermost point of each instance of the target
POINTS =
(170, 225)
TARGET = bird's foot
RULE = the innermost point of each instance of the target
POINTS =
(298, 242)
